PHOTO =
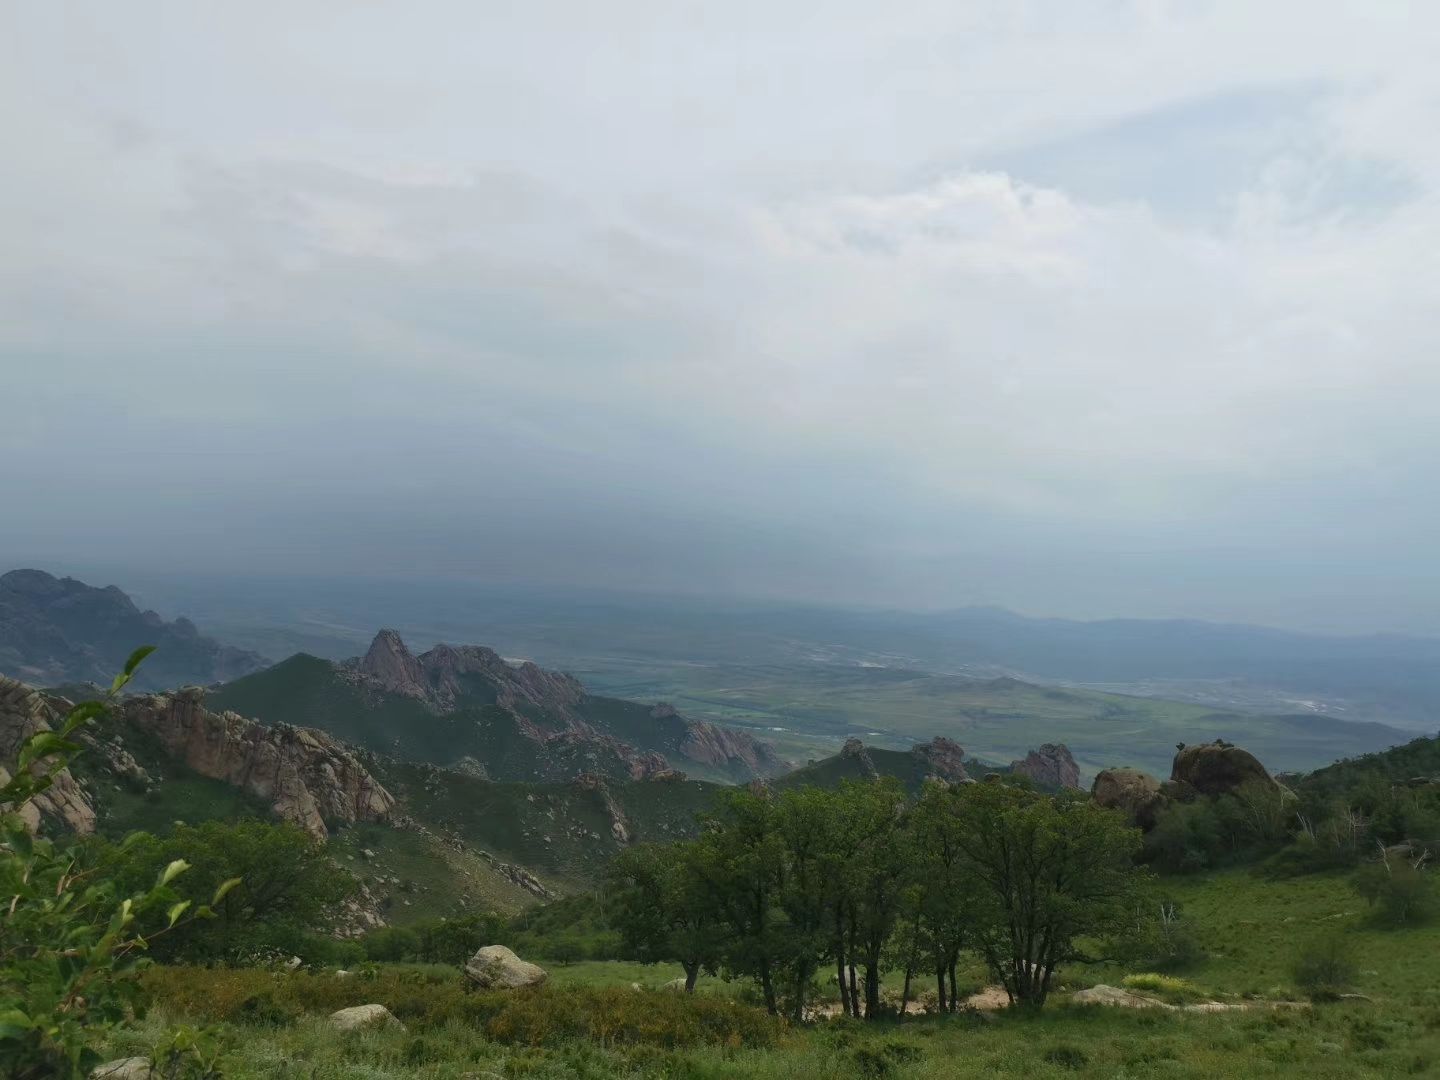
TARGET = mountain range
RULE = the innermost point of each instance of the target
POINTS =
(60, 630)
(468, 708)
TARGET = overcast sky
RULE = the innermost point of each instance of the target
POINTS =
(1081, 308)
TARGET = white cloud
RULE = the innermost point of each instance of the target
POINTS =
(1109, 268)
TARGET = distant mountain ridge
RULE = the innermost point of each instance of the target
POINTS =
(469, 708)
(61, 630)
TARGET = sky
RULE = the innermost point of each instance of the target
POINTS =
(1080, 308)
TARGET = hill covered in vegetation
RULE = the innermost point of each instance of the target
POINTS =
(467, 707)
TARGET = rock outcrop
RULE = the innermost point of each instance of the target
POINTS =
(710, 744)
(1216, 768)
(1131, 791)
(494, 967)
(391, 666)
(1116, 997)
(306, 776)
(64, 804)
(855, 749)
(447, 673)
(944, 758)
(1050, 766)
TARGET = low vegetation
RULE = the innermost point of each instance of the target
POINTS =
(819, 932)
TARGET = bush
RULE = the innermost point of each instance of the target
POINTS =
(1325, 969)
(1400, 894)
(71, 944)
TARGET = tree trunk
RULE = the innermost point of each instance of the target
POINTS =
(954, 994)
(872, 990)
(910, 968)
(940, 985)
(854, 991)
(767, 985)
(840, 981)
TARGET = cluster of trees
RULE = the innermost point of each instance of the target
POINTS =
(287, 898)
(782, 887)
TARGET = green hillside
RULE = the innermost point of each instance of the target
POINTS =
(310, 692)
(564, 832)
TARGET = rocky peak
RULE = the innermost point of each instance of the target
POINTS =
(393, 666)
(1050, 766)
(854, 748)
(944, 758)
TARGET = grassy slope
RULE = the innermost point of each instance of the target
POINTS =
(1253, 928)
(999, 719)
(304, 690)
(560, 831)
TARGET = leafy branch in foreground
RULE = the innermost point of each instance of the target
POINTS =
(70, 948)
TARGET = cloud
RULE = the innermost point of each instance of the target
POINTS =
(917, 305)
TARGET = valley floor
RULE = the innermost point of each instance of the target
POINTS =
(1252, 930)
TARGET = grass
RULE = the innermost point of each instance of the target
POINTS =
(1253, 929)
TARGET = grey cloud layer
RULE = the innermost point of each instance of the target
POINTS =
(1094, 310)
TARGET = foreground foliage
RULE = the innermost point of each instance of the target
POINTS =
(71, 943)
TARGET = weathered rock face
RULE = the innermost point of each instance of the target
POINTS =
(64, 804)
(944, 757)
(392, 666)
(306, 776)
(495, 967)
(1131, 791)
(1217, 768)
(1050, 766)
(711, 745)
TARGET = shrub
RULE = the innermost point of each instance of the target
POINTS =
(1400, 894)
(1325, 969)
(426, 1001)
(71, 946)
(1167, 987)
(1067, 1057)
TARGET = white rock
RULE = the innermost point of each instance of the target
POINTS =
(495, 967)
(130, 1068)
(1114, 995)
(361, 1016)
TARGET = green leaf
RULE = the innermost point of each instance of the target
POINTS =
(225, 887)
(43, 744)
(171, 872)
(176, 910)
(82, 714)
(136, 657)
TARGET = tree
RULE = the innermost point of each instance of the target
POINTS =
(877, 861)
(661, 910)
(811, 840)
(942, 896)
(739, 861)
(289, 887)
(71, 945)
(1056, 869)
